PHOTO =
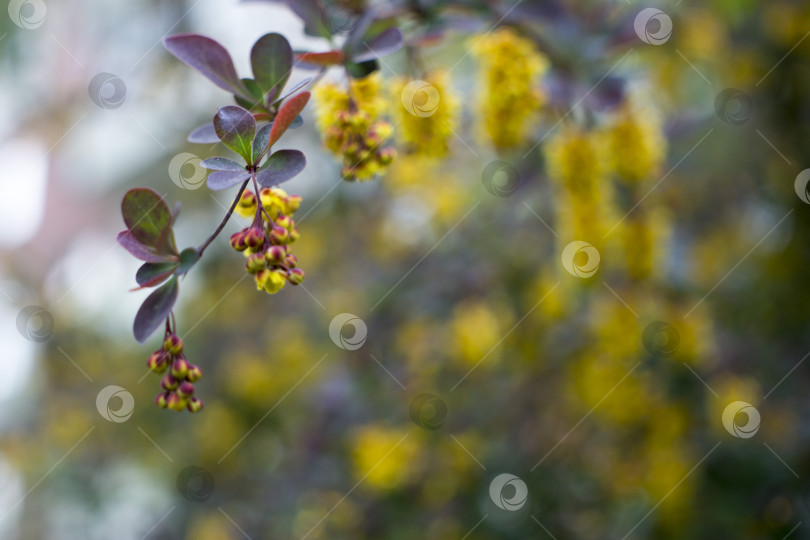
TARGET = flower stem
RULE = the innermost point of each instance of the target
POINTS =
(224, 220)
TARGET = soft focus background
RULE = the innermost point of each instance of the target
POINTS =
(604, 397)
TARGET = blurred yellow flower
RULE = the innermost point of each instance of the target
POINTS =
(426, 111)
(635, 140)
(476, 328)
(510, 95)
(388, 458)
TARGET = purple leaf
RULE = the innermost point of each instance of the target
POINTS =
(280, 167)
(151, 274)
(154, 310)
(222, 164)
(386, 42)
(295, 89)
(224, 179)
(147, 217)
(204, 135)
(235, 127)
(271, 59)
(139, 250)
(260, 142)
(208, 57)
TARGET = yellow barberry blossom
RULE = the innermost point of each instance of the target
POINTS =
(644, 237)
(387, 458)
(635, 141)
(352, 128)
(576, 162)
(511, 96)
(476, 329)
(427, 113)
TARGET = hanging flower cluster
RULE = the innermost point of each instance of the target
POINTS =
(353, 128)
(510, 96)
(178, 387)
(426, 113)
(267, 241)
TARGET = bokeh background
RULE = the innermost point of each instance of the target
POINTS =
(603, 396)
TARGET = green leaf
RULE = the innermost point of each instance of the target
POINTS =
(151, 274)
(271, 59)
(188, 258)
(154, 310)
(148, 218)
(260, 142)
(361, 70)
(235, 127)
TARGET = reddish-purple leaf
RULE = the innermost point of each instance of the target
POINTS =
(218, 180)
(280, 167)
(142, 252)
(154, 310)
(322, 59)
(204, 135)
(208, 57)
(286, 115)
(271, 59)
(236, 128)
(386, 42)
(222, 164)
(147, 217)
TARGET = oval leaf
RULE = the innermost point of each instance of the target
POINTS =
(188, 258)
(222, 164)
(142, 252)
(208, 57)
(154, 310)
(235, 127)
(224, 179)
(147, 217)
(287, 115)
(280, 167)
(204, 135)
(386, 42)
(271, 59)
(260, 142)
(150, 274)
(322, 59)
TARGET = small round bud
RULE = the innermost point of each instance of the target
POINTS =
(180, 368)
(238, 241)
(279, 235)
(176, 402)
(284, 221)
(294, 235)
(387, 156)
(185, 389)
(291, 261)
(194, 373)
(254, 237)
(292, 204)
(173, 344)
(195, 405)
(161, 399)
(158, 361)
(169, 383)
(296, 276)
(275, 255)
(256, 263)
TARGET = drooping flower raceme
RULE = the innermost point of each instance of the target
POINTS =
(267, 241)
(426, 113)
(510, 93)
(352, 127)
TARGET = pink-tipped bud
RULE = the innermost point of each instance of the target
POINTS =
(173, 344)
(275, 255)
(387, 156)
(168, 382)
(158, 361)
(294, 235)
(161, 399)
(185, 389)
(254, 237)
(284, 221)
(295, 276)
(195, 405)
(176, 402)
(256, 263)
(291, 261)
(293, 203)
(279, 235)
(194, 373)
(180, 368)
(238, 241)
